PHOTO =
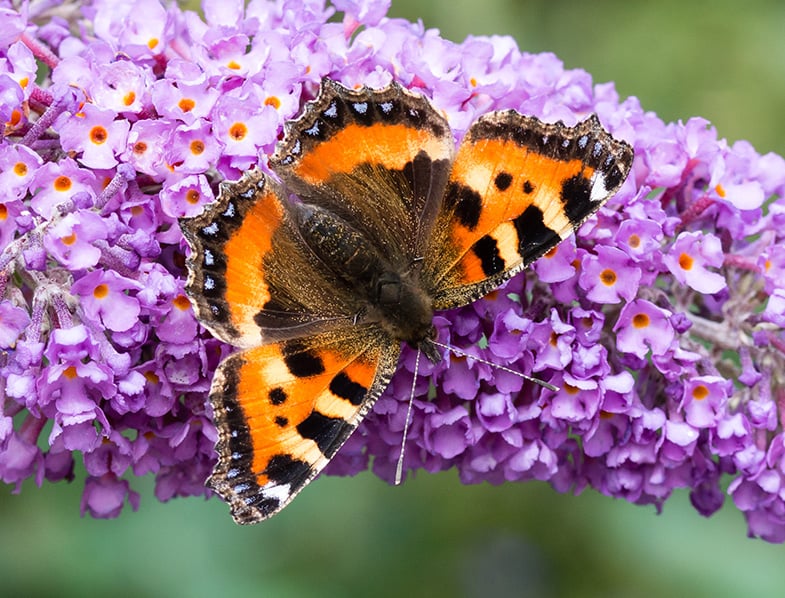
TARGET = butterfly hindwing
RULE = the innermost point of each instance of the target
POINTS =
(283, 410)
(518, 186)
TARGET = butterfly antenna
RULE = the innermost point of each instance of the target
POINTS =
(457, 351)
(399, 467)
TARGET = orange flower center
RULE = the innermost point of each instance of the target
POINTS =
(186, 104)
(62, 183)
(197, 147)
(608, 277)
(700, 392)
(686, 261)
(238, 131)
(181, 302)
(16, 117)
(100, 291)
(98, 135)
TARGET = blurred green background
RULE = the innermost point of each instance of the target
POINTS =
(722, 59)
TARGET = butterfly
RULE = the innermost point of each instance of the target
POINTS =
(373, 222)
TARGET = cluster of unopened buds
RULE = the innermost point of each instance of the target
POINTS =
(661, 325)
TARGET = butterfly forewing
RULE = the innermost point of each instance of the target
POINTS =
(517, 188)
(377, 158)
(229, 242)
(248, 268)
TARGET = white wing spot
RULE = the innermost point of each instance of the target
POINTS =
(281, 492)
(599, 188)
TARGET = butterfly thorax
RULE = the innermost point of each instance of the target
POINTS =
(389, 295)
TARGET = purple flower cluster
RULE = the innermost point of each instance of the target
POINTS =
(662, 325)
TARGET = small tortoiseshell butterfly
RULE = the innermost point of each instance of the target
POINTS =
(373, 223)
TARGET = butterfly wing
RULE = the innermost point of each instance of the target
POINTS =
(251, 278)
(518, 186)
(377, 158)
(283, 411)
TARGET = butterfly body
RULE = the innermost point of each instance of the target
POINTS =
(390, 296)
(372, 224)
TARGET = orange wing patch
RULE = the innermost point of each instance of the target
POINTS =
(493, 184)
(509, 180)
(310, 398)
(345, 130)
(246, 289)
(229, 241)
(389, 146)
